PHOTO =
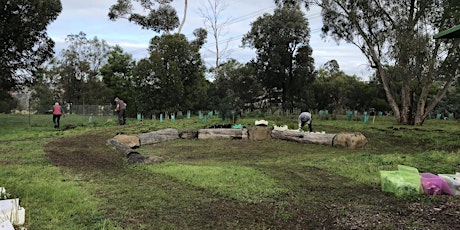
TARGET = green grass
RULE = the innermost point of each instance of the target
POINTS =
(20, 127)
(241, 183)
(365, 167)
(50, 196)
(206, 173)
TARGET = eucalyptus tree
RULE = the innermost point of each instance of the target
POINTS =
(284, 62)
(281, 3)
(157, 84)
(333, 88)
(47, 87)
(79, 66)
(332, 66)
(24, 43)
(451, 103)
(211, 14)
(398, 34)
(172, 78)
(236, 89)
(160, 17)
(118, 77)
(176, 50)
(336, 91)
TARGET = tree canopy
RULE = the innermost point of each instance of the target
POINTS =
(117, 73)
(396, 37)
(338, 92)
(414, 72)
(24, 43)
(74, 75)
(284, 62)
(236, 89)
(161, 15)
(172, 78)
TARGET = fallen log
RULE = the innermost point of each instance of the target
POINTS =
(304, 137)
(344, 140)
(223, 134)
(158, 136)
(120, 147)
(128, 140)
(133, 156)
(188, 134)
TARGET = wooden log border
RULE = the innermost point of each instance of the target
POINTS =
(346, 140)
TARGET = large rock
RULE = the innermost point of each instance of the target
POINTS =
(260, 133)
(223, 134)
(128, 140)
(158, 136)
(350, 140)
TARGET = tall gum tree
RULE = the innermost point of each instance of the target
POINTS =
(80, 65)
(117, 76)
(212, 14)
(24, 43)
(284, 62)
(396, 37)
(172, 78)
(161, 16)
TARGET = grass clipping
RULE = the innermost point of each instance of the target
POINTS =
(240, 183)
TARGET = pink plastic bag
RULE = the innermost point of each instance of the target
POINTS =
(434, 185)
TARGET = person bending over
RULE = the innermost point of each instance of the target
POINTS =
(305, 118)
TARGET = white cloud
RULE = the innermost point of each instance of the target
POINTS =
(90, 17)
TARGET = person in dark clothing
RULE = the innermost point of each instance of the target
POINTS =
(121, 110)
(57, 111)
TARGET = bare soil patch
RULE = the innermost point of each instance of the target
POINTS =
(317, 198)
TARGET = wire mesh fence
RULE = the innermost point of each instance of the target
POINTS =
(96, 110)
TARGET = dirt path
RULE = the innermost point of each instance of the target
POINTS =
(83, 153)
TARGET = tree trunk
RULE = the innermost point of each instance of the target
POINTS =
(304, 137)
(405, 104)
(158, 136)
(223, 134)
(216, 38)
(121, 148)
(344, 140)
(390, 99)
(422, 111)
(183, 19)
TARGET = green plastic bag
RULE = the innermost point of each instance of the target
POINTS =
(403, 182)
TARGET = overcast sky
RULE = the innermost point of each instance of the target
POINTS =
(90, 17)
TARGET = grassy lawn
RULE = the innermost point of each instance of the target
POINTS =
(70, 178)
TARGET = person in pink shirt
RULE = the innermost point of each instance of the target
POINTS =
(57, 112)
